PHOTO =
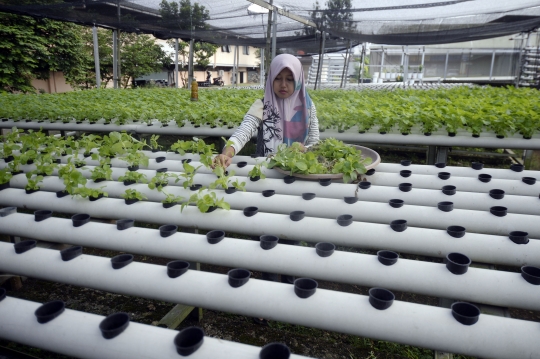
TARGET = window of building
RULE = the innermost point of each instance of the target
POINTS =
(225, 48)
(246, 50)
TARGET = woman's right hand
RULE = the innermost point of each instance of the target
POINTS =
(222, 160)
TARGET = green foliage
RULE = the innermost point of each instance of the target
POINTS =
(33, 181)
(5, 176)
(223, 181)
(160, 180)
(329, 156)
(170, 198)
(256, 171)
(133, 194)
(133, 176)
(154, 143)
(72, 177)
(184, 16)
(103, 171)
(86, 192)
(205, 201)
(188, 175)
(32, 48)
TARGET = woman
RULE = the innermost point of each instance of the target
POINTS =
(285, 115)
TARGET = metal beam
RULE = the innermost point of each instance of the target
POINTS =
(285, 13)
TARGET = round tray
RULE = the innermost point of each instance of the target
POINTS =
(366, 152)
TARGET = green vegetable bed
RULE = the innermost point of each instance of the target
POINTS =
(504, 111)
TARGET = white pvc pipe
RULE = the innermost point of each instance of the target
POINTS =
(497, 173)
(478, 285)
(466, 184)
(77, 334)
(373, 212)
(434, 327)
(479, 247)
(462, 138)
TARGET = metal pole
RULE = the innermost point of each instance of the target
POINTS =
(234, 67)
(319, 65)
(382, 62)
(492, 63)
(262, 69)
(190, 62)
(344, 65)
(274, 32)
(268, 58)
(361, 77)
(422, 63)
(446, 65)
(115, 63)
(118, 60)
(405, 56)
(96, 57)
(237, 63)
(176, 63)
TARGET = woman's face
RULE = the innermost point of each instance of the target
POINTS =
(284, 84)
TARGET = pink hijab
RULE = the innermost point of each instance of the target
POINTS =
(285, 120)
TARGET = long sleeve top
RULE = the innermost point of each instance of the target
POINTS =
(253, 118)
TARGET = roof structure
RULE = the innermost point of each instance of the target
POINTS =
(397, 22)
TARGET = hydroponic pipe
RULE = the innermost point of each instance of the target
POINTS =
(466, 184)
(374, 212)
(479, 285)
(407, 323)
(77, 334)
(498, 173)
(430, 242)
(462, 139)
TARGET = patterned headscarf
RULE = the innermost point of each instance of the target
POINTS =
(285, 120)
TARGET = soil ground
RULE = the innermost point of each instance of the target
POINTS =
(302, 340)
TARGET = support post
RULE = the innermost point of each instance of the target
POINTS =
(176, 77)
(422, 63)
(115, 58)
(96, 57)
(382, 62)
(268, 58)
(446, 65)
(492, 63)
(345, 61)
(262, 69)
(190, 62)
(319, 65)
(274, 33)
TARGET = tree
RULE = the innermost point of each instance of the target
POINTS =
(184, 16)
(32, 48)
(202, 51)
(337, 16)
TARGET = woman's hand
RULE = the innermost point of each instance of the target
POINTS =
(222, 160)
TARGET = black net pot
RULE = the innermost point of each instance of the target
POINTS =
(71, 253)
(405, 173)
(275, 351)
(241, 164)
(350, 200)
(465, 313)
(484, 177)
(189, 340)
(250, 211)
(162, 170)
(364, 185)
(308, 196)
(325, 182)
(405, 187)
(123, 224)
(238, 277)
(496, 193)
(396, 203)
(440, 164)
(4, 212)
(215, 236)
(268, 241)
(528, 180)
(114, 325)
(80, 219)
(289, 179)
(387, 258)
(444, 175)
(457, 263)
(325, 249)
(176, 268)
(445, 206)
(370, 172)
(519, 237)
(122, 260)
(24, 246)
(2, 294)
(517, 167)
(531, 274)
(449, 190)
(381, 298)
(398, 225)
(49, 311)
(498, 211)
(296, 216)
(477, 165)
(195, 187)
(305, 287)
(167, 230)
(344, 220)
(230, 190)
(456, 231)
(268, 193)
(160, 159)
(42, 214)
(405, 162)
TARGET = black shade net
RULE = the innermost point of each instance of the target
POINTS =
(239, 22)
